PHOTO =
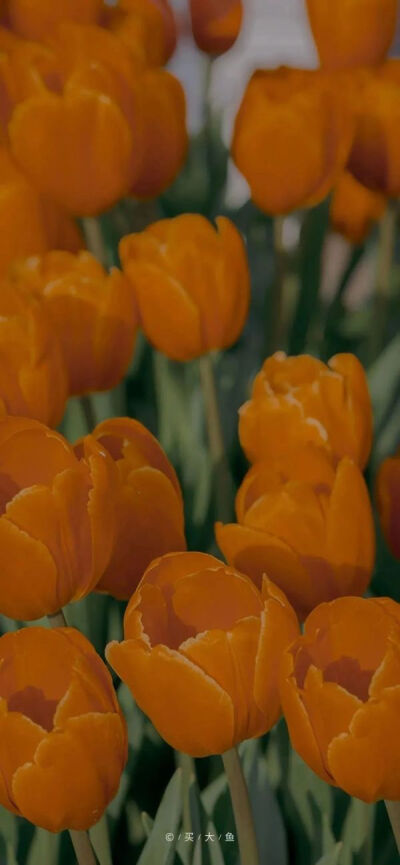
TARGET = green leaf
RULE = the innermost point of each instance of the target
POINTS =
(11, 858)
(384, 381)
(148, 823)
(157, 848)
(332, 858)
(312, 242)
(270, 828)
(99, 836)
(357, 833)
(44, 848)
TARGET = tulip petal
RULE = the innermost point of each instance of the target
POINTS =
(279, 628)
(221, 601)
(25, 562)
(19, 738)
(188, 708)
(256, 553)
(350, 532)
(72, 769)
(366, 761)
(301, 732)
(330, 708)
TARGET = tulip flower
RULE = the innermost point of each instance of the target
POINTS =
(194, 629)
(79, 118)
(147, 27)
(305, 524)
(57, 518)
(163, 115)
(191, 283)
(355, 209)
(292, 137)
(39, 19)
(374, 159)
(296, 400)
(92, 312)
(149, 506)
(63, 740)
(388, 500)
(29, 223)
(340, 690)
(33, 379)
(350, 33)
(216, 24)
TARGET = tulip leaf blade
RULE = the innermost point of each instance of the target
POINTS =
(270, 828)
(161, 844)
(44, 848)
(333, 857)
(357, 833)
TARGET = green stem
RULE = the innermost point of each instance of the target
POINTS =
(393, 809)
(387, 236)
(80, 840)
(83, 849)
(276, 307)
(224, 486)
(94, 239)
(241, 808)
(186, 763)
(88, 411)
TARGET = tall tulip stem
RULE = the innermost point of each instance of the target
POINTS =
(387, 236)
(241, 808)
(80, 840)
(224, 487)
(393, 809)
(88, 411)
(83, 849)
(276, 306)
(58, 620)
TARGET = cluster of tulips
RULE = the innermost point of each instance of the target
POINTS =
(300, 134)
(211, 650)
(107, 515)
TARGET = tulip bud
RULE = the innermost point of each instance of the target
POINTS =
(216, 24)
(196, 627)
(149, 505)
(191, 283)
(292, 137)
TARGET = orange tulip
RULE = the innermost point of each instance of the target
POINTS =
(375, 158)
(33, 379)
(305, 524)
(201, 652)
(63, 740)
(388, 500)
(149, 506)
(29, 224)
(296, 400)
(191, 284)
(57, 523)
(355, 209)
(216, 24)
(92, 312)
(147, 27)
(341, 696)
(80, 119)
(292, 137)
(38, 19)
(351, 33)
(164, 134)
